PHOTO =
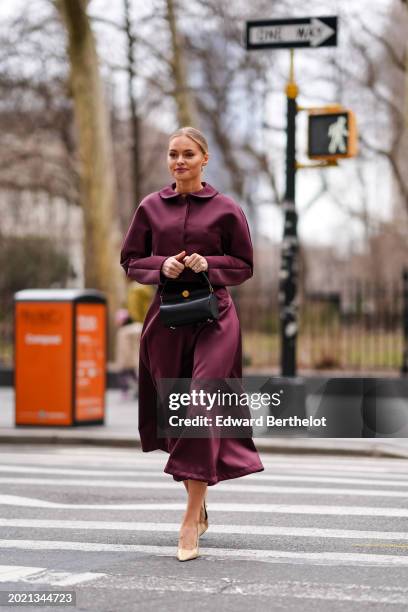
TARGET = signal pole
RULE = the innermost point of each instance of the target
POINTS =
(404, 367)
(288, 276)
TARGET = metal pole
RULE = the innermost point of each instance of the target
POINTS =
(289, 258)
(404, 368)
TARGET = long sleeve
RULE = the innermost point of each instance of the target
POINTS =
(136, 254)
(236, 265)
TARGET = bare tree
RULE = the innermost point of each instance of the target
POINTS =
(134, 116)
(186, 113)
(36, 119)
(377, 73)
(95, 152)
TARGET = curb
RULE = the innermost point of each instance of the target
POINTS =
(69, 440)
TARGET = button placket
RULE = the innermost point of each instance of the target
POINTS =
(185, 219)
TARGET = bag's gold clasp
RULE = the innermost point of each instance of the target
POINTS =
(185, 293)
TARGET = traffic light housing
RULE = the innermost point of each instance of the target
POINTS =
(332, 133)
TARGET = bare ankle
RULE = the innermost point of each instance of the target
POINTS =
(190, 522)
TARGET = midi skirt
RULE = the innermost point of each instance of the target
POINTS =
(204, 351)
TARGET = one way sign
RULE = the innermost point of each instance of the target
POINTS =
(291, 33)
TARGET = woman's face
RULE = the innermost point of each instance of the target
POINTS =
(185, 158)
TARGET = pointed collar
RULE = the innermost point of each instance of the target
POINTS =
(206, 192)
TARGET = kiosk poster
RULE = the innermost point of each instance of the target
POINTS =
(90, 362)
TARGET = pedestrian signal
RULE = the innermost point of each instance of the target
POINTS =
(332, 133)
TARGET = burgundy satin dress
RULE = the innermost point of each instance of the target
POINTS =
(213, 225)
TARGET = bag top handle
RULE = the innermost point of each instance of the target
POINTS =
(203, 276)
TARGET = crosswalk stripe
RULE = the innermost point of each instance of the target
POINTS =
(28, 469)
(156, 469)
(273, 459)
(267, 476)
(12, 573)
(227, 487)
(327, 479)
(365, 468)
(340, 470)
(155, 474)
(271, 556)
(134, 460)
(19, 500)
(275, 590)
(330, 479)
(329, 510)
(360, 465)
(40, 575)
(263, 530)
(370, 475)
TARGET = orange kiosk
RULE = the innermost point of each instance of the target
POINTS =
(60, 347)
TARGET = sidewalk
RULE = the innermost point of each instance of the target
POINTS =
(120, 429)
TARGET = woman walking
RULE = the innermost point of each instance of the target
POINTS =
(176, 233)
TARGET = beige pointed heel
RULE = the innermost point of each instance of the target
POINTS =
(203, 526)
(186, 554)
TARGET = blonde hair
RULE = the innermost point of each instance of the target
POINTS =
(194, 134)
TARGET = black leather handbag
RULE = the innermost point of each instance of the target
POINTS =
(185, 304)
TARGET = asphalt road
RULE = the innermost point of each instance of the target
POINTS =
(309, 533)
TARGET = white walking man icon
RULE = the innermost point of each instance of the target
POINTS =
(338, 133)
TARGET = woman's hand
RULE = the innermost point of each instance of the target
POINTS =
(196, 262)
(172, 267)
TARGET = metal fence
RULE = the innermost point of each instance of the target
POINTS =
(358, 328)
